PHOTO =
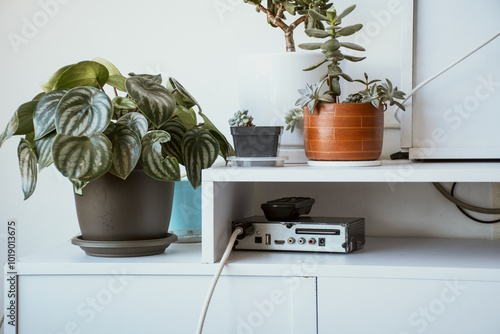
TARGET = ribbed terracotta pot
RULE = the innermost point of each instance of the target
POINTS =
(344, 132)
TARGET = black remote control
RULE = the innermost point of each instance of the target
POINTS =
(287, 208)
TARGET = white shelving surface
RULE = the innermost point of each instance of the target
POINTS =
(389, 171)
(228, 192)
(404, 258)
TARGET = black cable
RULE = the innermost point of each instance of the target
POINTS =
(452, 192)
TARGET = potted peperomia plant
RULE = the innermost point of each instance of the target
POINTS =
(253, 141)
(116, 149)
(341, 131)
(269, 79)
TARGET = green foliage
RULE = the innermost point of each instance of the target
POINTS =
(76, 126)
(293, 117)
(241, 119)
(332, 49)
(308, 12)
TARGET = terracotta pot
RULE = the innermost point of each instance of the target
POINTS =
(344, 131)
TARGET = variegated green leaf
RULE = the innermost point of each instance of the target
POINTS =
(85, 73)
(125, 103)
(83, 111)
(78, 186)
(136, 121)
(181, 94)
(82, 158)
(21, 122)
(116, 79)
(126, 149)
(200, 150)
(226, 150)
(154, 163)
(27, 166)
(10, 129)
(185, 116)
(44, 150)
(156, 78)
(51, 83)
(45, 113)
(174, 146)
(154, 100)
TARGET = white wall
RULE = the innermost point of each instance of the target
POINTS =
(196, 42)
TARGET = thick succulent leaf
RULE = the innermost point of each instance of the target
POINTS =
(44, 150)
(50, 84)
(317, 16)
(347, 31)
(181, 93)
(352, 46)
(45, 113)
(316, 65)
(353, 58)
(126, 149)
(185, 116)
(83, 111)
(153, 162)
(27, 166)
(346, 12)
(200, 151)
(82, 158)
(154, 100)
(226, 150)
(317, 33)
(330, 45)
(174, 146)
(136, 121)
(310, 46)
(85, 73)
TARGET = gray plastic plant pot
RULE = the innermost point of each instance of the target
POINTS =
(112, 209)
(257, 141)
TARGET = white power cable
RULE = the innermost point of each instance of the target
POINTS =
(422, 84)
(237, 231)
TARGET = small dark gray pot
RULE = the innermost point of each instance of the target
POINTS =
(112, 209)
(256, 141)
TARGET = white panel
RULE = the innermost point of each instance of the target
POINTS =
(162, 304)
(353, 306)
(460, 108)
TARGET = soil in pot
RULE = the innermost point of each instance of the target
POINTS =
(256, 141)
(344, 132)
(112, 209)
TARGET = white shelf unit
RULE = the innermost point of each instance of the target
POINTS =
(228, 192)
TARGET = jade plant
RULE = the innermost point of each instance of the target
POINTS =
(75, 125)
(276, 11)
(333, 51)
(241, 118)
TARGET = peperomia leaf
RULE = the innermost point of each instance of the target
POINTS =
(154, 100)
(187, 100)
(21, 122)
(185, 116)
(85, 73)
(174, 146)
(10, 129)
(115, 79)
(153, 162)
(44, 150)
(226, 150)
(126, 149)
(27, 167)
(45, 113)
(200, 150)
(136, 121)
(51, 83)
(82, 158)
(83, 111)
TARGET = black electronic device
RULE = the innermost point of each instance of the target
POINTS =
(287, 208)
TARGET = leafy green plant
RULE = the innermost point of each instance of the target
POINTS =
(241, 119)
(275, 12)
(85, 133)
(332, 49)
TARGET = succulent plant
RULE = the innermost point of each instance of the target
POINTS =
(332, 49)
(293, 117)
(275, 12)
(241, 119)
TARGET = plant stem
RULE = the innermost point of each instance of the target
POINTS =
(99, 84)
(116, 92)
